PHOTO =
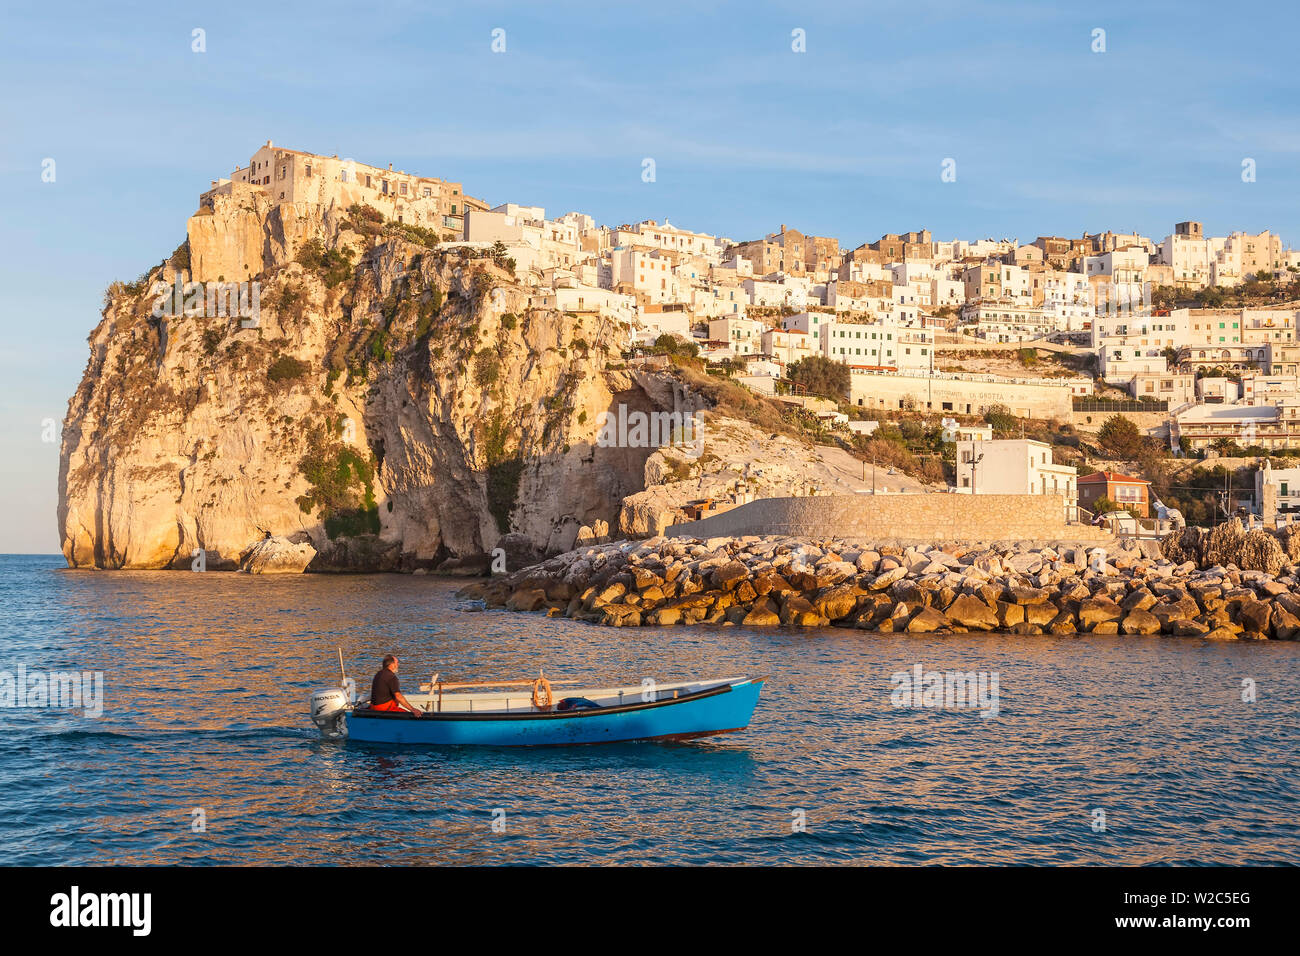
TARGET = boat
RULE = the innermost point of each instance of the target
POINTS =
(527, 713)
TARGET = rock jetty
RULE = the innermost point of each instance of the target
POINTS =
(1130, 588)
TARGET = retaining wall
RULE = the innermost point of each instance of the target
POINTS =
(901, 518)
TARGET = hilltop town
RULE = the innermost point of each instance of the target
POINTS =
(1192, 337)
(428, 375)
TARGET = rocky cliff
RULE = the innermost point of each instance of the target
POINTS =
(395, 404)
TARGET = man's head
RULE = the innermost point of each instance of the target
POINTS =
(391, 663)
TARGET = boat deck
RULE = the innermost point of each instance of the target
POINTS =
(520, 700)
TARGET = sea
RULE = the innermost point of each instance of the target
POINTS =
(199, 749)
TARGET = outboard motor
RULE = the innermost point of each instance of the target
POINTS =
(329, 707)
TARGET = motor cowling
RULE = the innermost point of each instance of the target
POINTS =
(328, 709)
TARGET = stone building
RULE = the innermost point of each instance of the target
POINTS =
(292, 176)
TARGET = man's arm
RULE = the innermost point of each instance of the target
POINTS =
(401, 699)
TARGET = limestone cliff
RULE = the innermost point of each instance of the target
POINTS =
(395, 404)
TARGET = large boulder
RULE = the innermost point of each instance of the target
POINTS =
(837, 602)
(969, 611)
(278, 555)
(1099, 610)
(526, 599)
(1140, 622)
(927, 620)
(762, 614)
(797, 611)
(884, 580)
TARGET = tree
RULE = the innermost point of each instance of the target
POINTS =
(1165, 297)
(1103, 504)
(667, 344)
(821, 376)
(1120, 438)
(1000, 417)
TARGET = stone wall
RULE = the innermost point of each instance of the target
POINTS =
(1155, 424)
(901, 518)
(966, 396)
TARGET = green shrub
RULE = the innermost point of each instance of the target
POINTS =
(377, 346)
(412, 233)
(342, 487)
(487, 367)
(211, 339)
(821, 376)
(181, 257)
(287, 368)
(332, 265)
(351, 522)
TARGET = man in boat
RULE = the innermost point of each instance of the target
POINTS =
(386, 692)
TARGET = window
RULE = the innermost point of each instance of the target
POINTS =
(402, 189)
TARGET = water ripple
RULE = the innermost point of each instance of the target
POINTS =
(206, 679)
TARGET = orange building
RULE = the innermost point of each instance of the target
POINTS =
(1125, 490)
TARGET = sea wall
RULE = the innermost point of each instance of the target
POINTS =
(902, 519)
(757, 581)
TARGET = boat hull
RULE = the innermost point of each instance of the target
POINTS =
(717, 711)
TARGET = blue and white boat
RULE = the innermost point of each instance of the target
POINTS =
(531, 713)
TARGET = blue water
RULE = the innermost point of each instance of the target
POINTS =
(207, 675)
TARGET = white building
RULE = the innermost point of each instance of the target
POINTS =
(1013, 467)
(1277, 491)
(1191, 254)
(649, 274)
(1005, 321)
(649, 234)
(743, 336)
(787, 345)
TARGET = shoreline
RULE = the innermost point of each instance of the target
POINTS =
(769, 581)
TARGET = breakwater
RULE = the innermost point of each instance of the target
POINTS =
(1127, 588)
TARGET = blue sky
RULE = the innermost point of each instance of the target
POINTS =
(845, 139)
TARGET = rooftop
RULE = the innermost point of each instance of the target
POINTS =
(1111, 476)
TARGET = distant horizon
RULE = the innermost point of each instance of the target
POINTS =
(1049, 137)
